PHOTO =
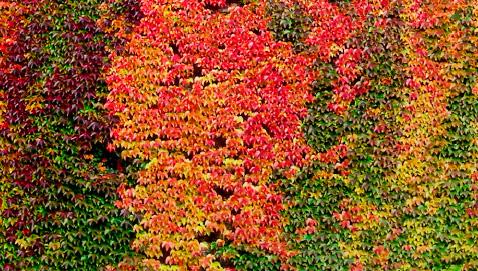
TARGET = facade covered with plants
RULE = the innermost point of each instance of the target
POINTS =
(238, 135)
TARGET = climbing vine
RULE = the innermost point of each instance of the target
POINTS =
(238, 135)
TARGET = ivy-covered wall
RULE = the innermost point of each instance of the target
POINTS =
(238, 135)
(57, 179)
(402, 196)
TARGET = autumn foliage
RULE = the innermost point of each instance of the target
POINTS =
(238, 135)
(211, 104)
(57, 183)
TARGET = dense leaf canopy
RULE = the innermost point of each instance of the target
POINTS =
(238, 135)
